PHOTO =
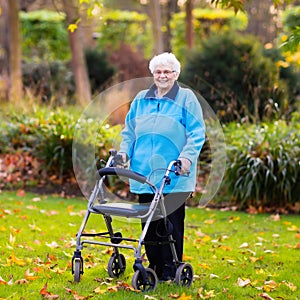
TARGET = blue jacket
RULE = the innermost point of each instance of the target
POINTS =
(158, 130)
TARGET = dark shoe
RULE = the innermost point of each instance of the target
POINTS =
(168, 273)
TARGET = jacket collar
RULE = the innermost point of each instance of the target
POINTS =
(171, 94)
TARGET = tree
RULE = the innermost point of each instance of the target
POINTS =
(82, 84)
(15, 73)
(294, 38)
(155, 13)
(189, 23)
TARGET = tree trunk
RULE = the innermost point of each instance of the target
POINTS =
(15, 71)
(155, 13)
(4, 54)
(262, 21)
(189, 24)
(82, 84)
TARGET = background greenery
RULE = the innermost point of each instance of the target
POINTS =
(263, 159)
(253, 88)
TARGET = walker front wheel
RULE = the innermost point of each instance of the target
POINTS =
(184, 274)
(139, 283)
(77, 270)
(116, 265)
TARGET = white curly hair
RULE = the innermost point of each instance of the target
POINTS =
(164, 59)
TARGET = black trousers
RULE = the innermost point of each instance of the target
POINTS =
(160, 256)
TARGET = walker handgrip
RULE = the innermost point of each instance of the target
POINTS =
(122, 172)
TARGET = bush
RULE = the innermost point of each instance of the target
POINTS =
(98, 67)
(51, 81)
(44, 36)
(233, 75)
(264, 164)
(206, 22)
(48, 137)
(125, 27)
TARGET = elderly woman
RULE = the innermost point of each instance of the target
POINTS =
(164, 123)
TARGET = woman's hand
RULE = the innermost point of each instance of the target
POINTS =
(185, 165)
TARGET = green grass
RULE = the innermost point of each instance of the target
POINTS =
(227, 250)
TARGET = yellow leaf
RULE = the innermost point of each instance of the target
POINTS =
(72, 27)
(187, 258)
(269, 286)
(204, 266)
(293, 228)
(210, 221)
(185, 297)
(12, 259)
(98, 290)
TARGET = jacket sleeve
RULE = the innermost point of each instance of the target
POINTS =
(195, 128)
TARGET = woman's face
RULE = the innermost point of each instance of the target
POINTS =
(164, 77)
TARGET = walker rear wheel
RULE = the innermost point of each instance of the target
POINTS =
(139, 283)
(116, 265)
(184, 274)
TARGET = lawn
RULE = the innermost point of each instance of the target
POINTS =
(234, 255)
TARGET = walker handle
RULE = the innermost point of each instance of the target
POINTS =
(177, 167)
(122, 172)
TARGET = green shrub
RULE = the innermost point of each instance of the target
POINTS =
(49, 81)
(48, 136)
(233, 75)
(98, 67)
(125, 27)
(206, 22)
(44, 36)
(264, 164)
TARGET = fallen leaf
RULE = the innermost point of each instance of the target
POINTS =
(30, 276)
(52, 245)
(290, 285)
(12, 259)
(21, 193)
(269, 286)
(244, 245)
(185, 297)
(2, 281)
(210, 221)
(243, 283)
(21, 281)
(47, 294)
(100, 291)
(275, 218)
(292, 228)
(203, 294)
(265, 296)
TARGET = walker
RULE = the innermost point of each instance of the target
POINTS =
(144, 278)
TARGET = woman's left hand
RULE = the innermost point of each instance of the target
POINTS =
(185, 165)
